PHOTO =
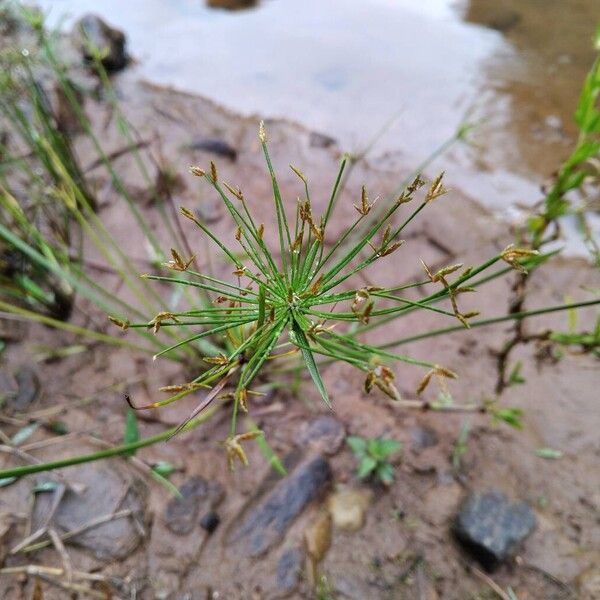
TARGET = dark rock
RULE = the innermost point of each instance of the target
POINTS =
(503, 21)
(210, 521)
(422, 438)
(324, 434)
(289, 569)
(28, 388)
(67, 121)
(103, 492)
(266, 522)
(320, 140)
(92, 30)
(181, 513)
(491, 526)
(213, 146)
(232, 4)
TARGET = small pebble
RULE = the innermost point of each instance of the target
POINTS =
(210, 521)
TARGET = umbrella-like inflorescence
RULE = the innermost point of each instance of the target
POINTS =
(295, 302)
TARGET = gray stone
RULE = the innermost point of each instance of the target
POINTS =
(267, 520)
(289, 569)
(210, 521)
(104, 492)
(320, 140)
(28, 388)
(504, 20)
(181, 514)
(491, 527)
(94, 31)
(324, 434)
(213, 146)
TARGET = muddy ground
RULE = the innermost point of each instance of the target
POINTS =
(405, 549)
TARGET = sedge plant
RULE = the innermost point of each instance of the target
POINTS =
(299, 303)
(288, 306)
(47, 205)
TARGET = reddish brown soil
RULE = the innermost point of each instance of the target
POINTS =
(405, 549)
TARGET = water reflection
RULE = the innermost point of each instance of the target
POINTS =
(344, 67)
(538, 76)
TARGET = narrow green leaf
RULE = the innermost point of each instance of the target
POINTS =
(165, 483)
(515, 377)
(132, 432)
(357, 444)
(385, 472)
(261, 306)
(163, 468)
(367, 466)
(550, 453)
(266, 450)
(388, 447)
(510, 416)
(309, 360)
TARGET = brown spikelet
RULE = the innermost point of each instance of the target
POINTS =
(365, 207)
(437, 188)
(297, 242)
(299, 173)
(440, 372)
(178, 263)
(316, 286)
(187, 213)
(235, 191)
(417, 182)
(197, 171)
(369, 381)
(213, 172)
(243, 399)
(234, 448)
(424, 382)
(317, 231)
(362, 305)
(511, 255)
(183, 387)
(220, 359)
(124, 325)
(391, 248)
(155, 323)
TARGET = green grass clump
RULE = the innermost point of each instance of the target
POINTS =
(373, 457)
(47, 204)
(575, 187)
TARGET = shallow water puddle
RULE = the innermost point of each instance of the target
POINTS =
(347, 67)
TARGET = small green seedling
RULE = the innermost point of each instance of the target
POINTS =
(373, 457)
